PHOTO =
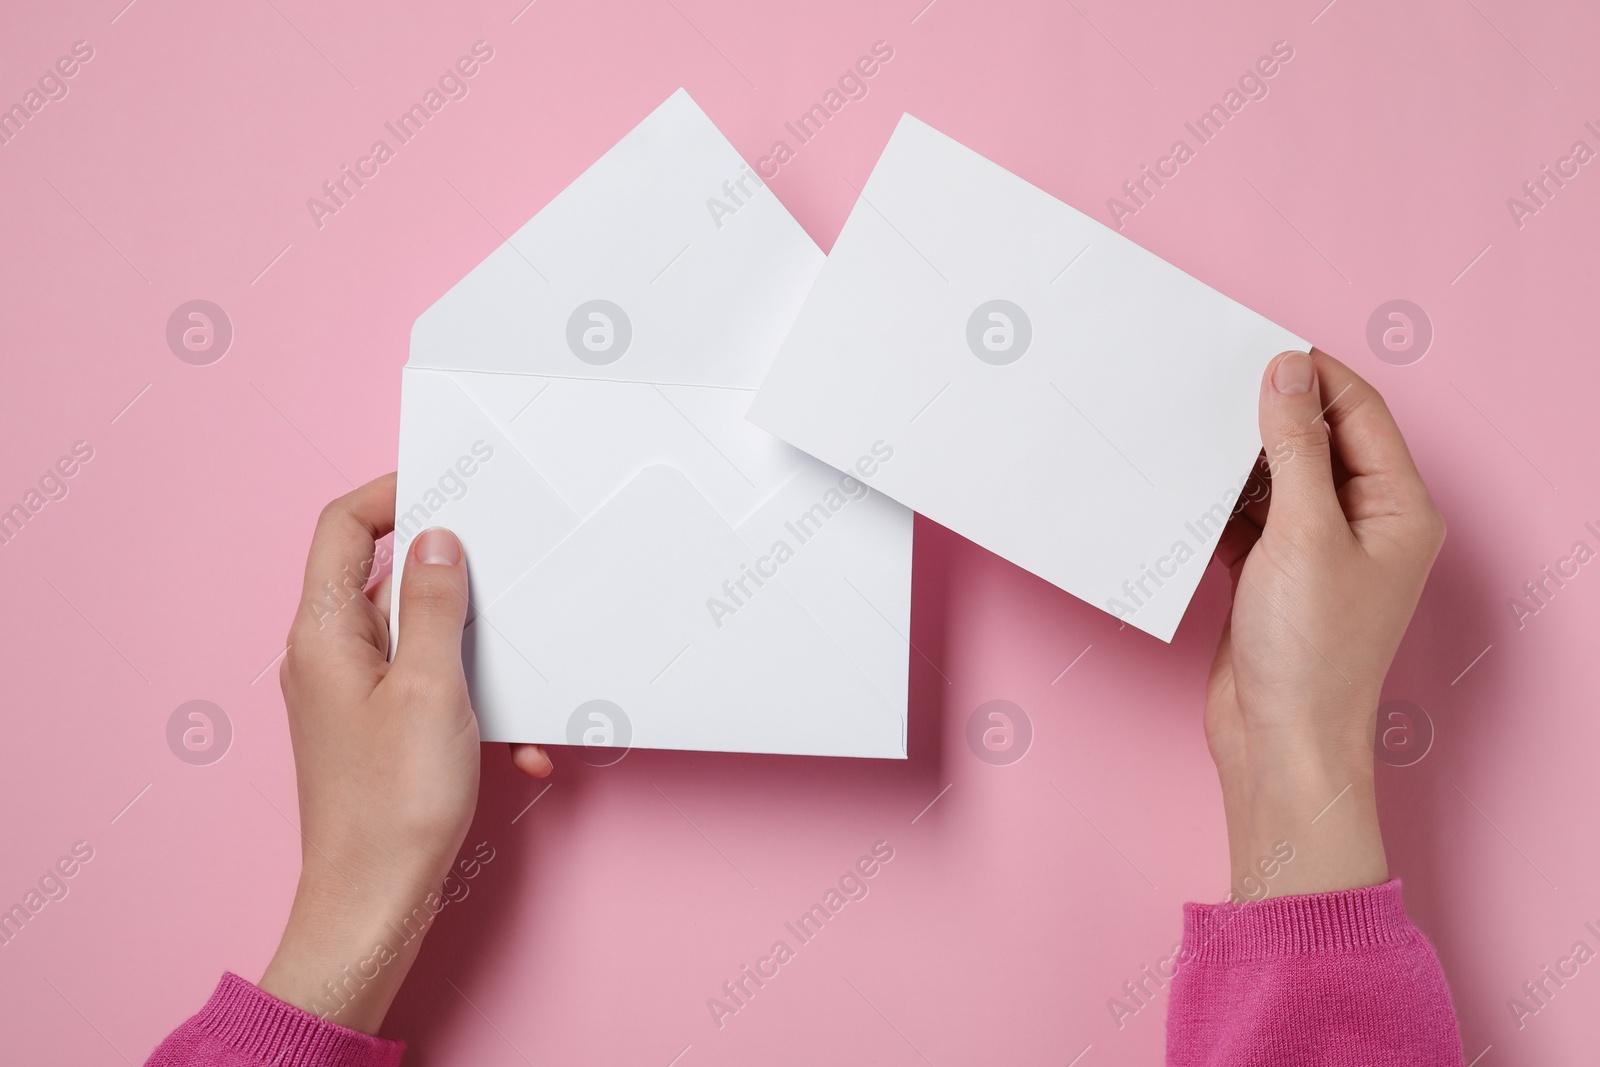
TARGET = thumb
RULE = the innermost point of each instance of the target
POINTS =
(433, 605)
(1295, 440)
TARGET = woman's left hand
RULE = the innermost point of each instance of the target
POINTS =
(386, 759)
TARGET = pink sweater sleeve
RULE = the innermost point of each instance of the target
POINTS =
(241, 1026)
(1330, 978)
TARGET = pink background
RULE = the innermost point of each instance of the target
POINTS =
(178, 168)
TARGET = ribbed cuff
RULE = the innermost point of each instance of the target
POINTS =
(259, 1024)
(1296, 926)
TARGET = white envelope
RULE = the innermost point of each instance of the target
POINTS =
(649, 569)
(1051, 390)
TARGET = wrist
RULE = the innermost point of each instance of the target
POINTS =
(1302, 818)
(346, 950)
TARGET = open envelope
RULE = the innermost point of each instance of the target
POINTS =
(1051, 390)
(649, 569)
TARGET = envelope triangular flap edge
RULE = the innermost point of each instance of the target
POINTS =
(685, 294)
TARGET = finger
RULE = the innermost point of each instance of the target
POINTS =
(382, 595)
(1366, 440)
(341, 559)
(1238, 538)
(532, 760)
(1256, 494)
(1295, 440)
(433, 606)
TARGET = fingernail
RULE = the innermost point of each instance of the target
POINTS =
(437, 546)
(1294, 374)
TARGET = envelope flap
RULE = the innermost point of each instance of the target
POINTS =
(592, 437)
(667, 261)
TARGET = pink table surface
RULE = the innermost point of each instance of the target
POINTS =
(1378, 167)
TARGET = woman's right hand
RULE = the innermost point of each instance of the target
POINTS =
(1328, 560)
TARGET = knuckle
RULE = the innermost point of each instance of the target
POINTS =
(307, 626)
(1370, 397)
(311, 656)
(1356, 398)
(296, 662)
(332, 514)
(1304, 439)
(434, 596)
(1432, 528)
(302, 650)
